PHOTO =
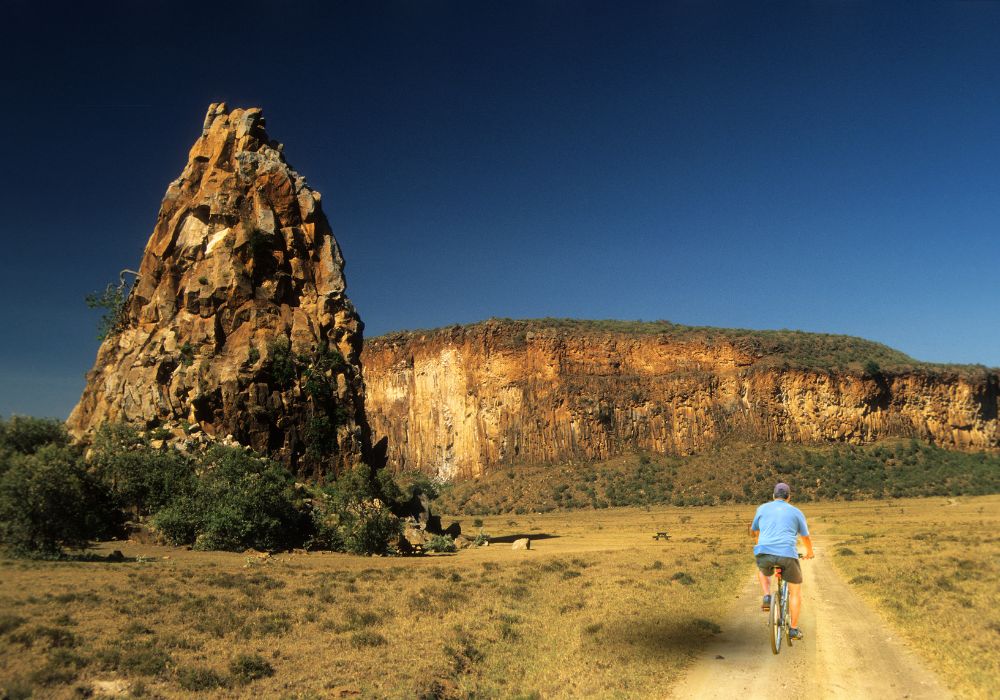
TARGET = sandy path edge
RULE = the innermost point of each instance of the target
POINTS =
(847, 652)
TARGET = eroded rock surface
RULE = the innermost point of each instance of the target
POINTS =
(238, 323)
(455, 402)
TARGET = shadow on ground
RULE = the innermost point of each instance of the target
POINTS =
(655, 636)
(507, 539)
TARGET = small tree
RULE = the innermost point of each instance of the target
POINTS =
(112, 300)
(48, 501)
(25, 435)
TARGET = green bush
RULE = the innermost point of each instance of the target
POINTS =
(197, 678)
(250, 667)
(48, 501)
(144, 480)
(246, 501)
(370, 528)
(24, 434)
(353, 514)
(281, 363)
(239, 501)
(440, 543)
(112, 300)
(180, 521)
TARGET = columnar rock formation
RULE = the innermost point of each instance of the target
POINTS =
(457, 401)
(238, 323)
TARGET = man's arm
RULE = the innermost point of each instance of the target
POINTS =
(754, 530)
(807, 541)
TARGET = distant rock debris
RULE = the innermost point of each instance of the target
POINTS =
(238, 323)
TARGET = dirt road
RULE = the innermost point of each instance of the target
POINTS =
(847, 652)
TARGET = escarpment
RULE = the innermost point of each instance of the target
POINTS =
(238, 323)
(456, 402)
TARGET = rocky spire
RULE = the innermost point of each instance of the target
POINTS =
(238, 323)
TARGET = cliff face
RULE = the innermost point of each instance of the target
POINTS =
(456, 402)
(238, 323)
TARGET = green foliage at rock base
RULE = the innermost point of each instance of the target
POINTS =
(143, 479)
(239, 501)
(354, 514)
(48, 500)
(223, 497)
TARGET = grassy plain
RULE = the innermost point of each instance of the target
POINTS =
(932, 569)
(597, 607)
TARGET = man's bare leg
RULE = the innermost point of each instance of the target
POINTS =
(765, 582)
(794, 602)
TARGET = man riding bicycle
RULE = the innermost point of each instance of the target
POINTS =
(777, 526)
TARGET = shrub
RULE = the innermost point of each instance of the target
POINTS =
(48, 501)
(24, 434)
(239, 501)
(682, 577)
(247, 501)
(352, 514)
(250, 667)
(197, 678)
(144, 480)
(370, 528)
(440, 543)
(112, 300)
(179, 522)
(366, 638)
(281, 363)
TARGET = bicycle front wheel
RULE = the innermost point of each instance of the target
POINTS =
(775, 620)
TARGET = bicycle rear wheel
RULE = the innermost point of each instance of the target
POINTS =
(775, 619)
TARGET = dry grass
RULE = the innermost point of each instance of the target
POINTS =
(931, 568)
(596, 608)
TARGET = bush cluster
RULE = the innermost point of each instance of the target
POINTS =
(733, 472)
(226, 498)
(353, 514)
(48, 499)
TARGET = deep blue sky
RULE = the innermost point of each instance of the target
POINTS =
(823, 166)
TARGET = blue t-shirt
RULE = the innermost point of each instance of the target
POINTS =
(780, 524)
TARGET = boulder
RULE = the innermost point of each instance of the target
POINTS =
(523, 543)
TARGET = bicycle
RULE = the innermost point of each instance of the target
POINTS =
(779, 621)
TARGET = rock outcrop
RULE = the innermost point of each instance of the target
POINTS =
(458, 401)
(238, 323)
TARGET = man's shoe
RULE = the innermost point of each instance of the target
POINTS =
(766, 603)
(796, 634)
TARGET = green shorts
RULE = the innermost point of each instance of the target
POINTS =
(790, 569)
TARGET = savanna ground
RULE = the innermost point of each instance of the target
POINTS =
(595, 608)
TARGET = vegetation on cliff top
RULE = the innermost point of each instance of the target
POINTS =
(787, 349)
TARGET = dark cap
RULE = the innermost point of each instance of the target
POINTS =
(781, 490)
